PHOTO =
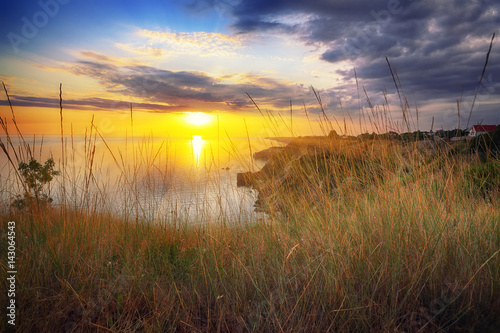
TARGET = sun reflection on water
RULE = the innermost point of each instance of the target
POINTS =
(197, 144)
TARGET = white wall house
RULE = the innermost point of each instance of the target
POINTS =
(482, 129)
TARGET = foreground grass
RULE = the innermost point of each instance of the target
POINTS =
(409, 252)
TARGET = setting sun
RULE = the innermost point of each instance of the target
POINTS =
(198, 118)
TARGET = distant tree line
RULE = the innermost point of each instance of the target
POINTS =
(407, 136)
(413, 136)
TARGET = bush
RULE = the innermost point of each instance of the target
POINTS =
(35, 177)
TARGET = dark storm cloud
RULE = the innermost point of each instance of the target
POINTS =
(189, 88)
(438, 47)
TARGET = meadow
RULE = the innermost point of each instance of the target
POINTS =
(360, 235)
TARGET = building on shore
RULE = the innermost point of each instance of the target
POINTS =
(481, 129)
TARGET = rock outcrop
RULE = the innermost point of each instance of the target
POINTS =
(309, 169)
(266, 154)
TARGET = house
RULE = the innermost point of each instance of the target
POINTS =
(481, 129)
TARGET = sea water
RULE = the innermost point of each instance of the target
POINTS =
(155, 179)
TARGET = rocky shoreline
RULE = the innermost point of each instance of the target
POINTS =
(320, 165)
(284, 168)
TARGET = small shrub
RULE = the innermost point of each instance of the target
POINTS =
(35, 176)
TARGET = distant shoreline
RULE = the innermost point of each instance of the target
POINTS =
(282, 139)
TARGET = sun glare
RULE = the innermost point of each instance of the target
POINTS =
(198, 118)
(197, 145)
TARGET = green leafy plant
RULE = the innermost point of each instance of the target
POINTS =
(483, 178)
(35, 176)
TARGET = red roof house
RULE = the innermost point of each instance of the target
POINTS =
(482, 129)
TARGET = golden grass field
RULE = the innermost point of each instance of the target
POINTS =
(360, 236)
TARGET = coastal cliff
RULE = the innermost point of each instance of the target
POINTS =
(311, 168)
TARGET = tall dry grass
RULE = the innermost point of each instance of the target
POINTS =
(361, 236)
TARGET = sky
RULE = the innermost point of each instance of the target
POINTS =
(304, 63)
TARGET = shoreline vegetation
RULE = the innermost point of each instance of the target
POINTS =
(368, 234)
(360, 161)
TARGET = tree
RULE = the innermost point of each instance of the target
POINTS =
(35, 176)
(333, 134)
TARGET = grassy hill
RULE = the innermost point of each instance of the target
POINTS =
(360, 235)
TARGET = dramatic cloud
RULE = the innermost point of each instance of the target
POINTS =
(437, 47)
(189, 88)
(210, 56)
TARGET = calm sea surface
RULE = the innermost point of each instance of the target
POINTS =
(166, 180)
